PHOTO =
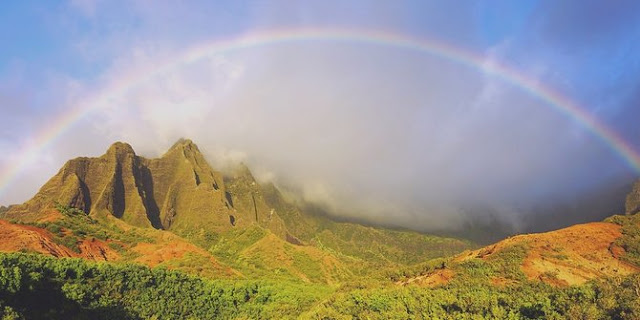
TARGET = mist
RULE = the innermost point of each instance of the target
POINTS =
(368, 132)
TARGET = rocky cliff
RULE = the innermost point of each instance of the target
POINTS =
(178, 191)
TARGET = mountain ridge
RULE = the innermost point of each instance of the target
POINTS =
(224, 213)
(146, 192)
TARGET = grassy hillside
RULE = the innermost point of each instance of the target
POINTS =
(342, 251)
(369, 244)
(40, 287)
(258, 253)
(72, 233)
(384, 245)
(569, 256)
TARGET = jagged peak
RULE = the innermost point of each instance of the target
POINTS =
(183, 143)
(184, 147)
(120, 148)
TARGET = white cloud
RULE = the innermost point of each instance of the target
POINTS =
(372, 131)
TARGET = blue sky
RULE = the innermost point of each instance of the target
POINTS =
(336, 123)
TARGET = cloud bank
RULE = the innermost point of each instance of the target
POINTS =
(367, 131)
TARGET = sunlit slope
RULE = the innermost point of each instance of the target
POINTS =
(258, 253)
(569, 256)
(71, 233)
(249, 253)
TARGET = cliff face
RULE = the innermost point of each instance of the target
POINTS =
(632, 205)
(178, 191)
(107, 183)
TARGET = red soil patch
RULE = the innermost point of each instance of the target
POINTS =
(433, 279)
(15, 237)
(95, 249)
(50, 216)
(502, 282)
(166, 247)
(568, 256)
(153, 254)
(26, 238)
(169, 247)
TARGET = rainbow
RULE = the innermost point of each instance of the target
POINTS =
(433, 47)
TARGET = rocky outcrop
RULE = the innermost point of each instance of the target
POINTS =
(107, 184)
(632, 205)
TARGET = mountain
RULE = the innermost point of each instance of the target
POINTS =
(123, 236)
(177, 191)
(234, 220)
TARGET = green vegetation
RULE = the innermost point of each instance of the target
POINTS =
(507, 262)
(630, 240)
(504, 264)
(614, 299)
(258, 253)
(77, 225)
(331, 279)
(405, 273)
(229, 246)
(380, 245)
(40, 287)
(70, 211)
(373, 247)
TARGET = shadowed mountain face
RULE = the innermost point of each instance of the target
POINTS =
(177, 191)
(632, 205)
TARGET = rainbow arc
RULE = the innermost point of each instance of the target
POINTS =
(552, 98)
